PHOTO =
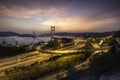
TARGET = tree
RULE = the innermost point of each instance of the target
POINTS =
(116, 34)
(113, 45)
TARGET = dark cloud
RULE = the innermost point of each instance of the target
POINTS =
(105, 9)
(93, 6)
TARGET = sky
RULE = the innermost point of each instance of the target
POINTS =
(26, 16)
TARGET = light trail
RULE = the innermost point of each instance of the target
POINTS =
(54, 76)
(26, 61)
(13, 58)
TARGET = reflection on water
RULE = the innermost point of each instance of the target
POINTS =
(23, 40)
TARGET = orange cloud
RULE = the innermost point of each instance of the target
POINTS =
(78, 23)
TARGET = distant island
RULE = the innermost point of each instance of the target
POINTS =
(9, 33)
(84, 34)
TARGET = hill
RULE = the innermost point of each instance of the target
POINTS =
(85, 34)
(9, 33)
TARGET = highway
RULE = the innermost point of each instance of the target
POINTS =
(75, 48)
(63, 73)
(24, 61)
(30, 60)
(31, 57)
(73, 51)
(13, 58)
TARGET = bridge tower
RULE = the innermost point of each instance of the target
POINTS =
(52, 32)
(34, 35)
